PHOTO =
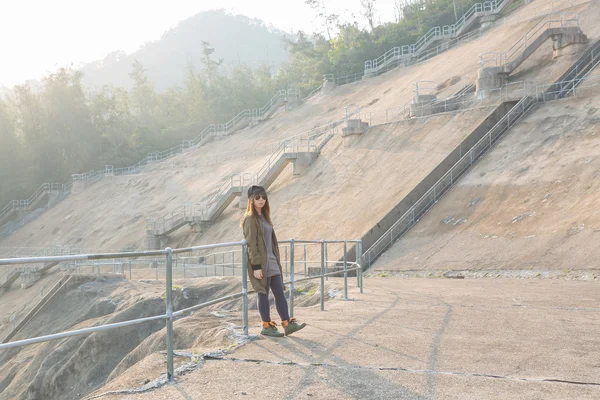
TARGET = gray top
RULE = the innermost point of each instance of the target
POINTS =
(272, 267)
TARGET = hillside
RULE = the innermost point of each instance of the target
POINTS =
(531, 203)
(111, 213)
(235, 38)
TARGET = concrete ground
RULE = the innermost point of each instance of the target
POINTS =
(420, 339)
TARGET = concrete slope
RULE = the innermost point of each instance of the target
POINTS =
(409, 339)
(355, 181)
(530, 203)
(112, 212)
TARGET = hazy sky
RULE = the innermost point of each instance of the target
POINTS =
(38, 36)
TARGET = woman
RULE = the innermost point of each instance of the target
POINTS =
(264, 264)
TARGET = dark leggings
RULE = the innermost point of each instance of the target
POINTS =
(275, 283)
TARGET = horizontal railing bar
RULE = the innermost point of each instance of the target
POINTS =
(328, 274)
(208, 246)
(77, 257)
(208, 303)
(319, 241)
(84, 331)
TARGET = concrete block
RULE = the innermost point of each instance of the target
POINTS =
(243, 198)
(153, 241)
(354, 127)
(303, 161)
(29, 277)
(54, 198)
(78, 186)
(421, 105)
(200, 226)
(487, 79)
(570, 42)
(292, 103)
(487, 21)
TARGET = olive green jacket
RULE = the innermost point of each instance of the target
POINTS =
(256, 252)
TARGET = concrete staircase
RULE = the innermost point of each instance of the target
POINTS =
(54, 192)
(495, 68)
(8, 278)
(45, 194)
(61, 284)
(569, 81)
(429, 191)
(397, 55)
(301, 154)
(32, 274)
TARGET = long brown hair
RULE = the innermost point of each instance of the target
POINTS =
(251, 210)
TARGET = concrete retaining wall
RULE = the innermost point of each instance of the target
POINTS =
(443, 167)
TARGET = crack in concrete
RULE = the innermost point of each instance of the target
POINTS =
(196, 360)
(417, 371)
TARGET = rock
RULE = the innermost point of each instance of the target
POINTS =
(475, 201)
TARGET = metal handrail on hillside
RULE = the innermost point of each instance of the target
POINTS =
(170, 316)
(202, 211)
(540, 93)
(435, 33)
(157, 156)
(549, 21)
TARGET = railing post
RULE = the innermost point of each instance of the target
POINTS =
(361, 266)
(169, 304)
(291, 278)
(357, 260)
(326, 262)
(305, 260)
(286, 262)
(244, 291)
(345, 272)
(322, 275)
(232, 264)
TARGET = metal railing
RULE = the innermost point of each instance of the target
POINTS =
(535, 12)
(44, 189)
(549, 21)
(192, 212)
(403, 55)
(540, 93)
(211, 130)
(462, 102)
(435, 33)
(312, 93)
(171, 315)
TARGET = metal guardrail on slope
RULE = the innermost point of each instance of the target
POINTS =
(549, 21)
(435, 33)
(210, 131)
(541, 93)
(170, 316)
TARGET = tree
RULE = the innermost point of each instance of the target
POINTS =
(142, 95)
(210, 65)
(368, 11)
(329, 20)
(309, 60)
(12, 177)
(68, 120)
(113, 121)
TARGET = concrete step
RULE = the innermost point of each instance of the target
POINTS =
(10, 279)
(38, 307)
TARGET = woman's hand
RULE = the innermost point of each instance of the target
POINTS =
(258, 274)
